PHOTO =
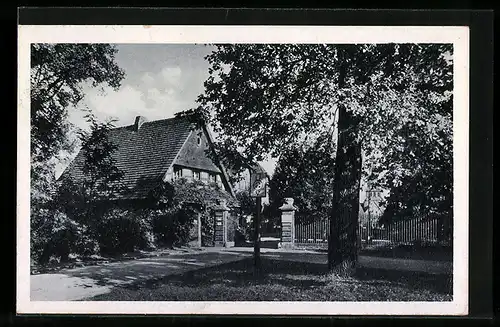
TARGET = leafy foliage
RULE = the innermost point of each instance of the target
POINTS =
(179, 202)
(101, 177)
(300, 174)
(86, 197)
(58, 75)
(266, 99)
(197, 192)
(247, 203)
(388, 100)
(121, 231)
(172, 226)
(52, 234)
(73, 218)
(58, 72)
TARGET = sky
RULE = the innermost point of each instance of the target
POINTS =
(160, 80)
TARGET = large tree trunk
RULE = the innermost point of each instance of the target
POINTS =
(342, 244)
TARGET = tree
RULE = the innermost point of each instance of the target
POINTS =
(300, 174)
(68, 219)
(418, 154)
(101, 176)
(58, 73)
(84, 199)
(265, 99)
(246, 202)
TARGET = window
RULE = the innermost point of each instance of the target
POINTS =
(198, 141)
(196, 175)
(188, 173)
(177, 173)
(212, 178)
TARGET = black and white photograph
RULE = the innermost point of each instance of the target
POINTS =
(183, 170)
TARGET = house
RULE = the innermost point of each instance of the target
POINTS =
(153, 152)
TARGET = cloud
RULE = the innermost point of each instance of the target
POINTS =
(159, 82)
(118, 104)
(171, 75)
(153, 95)
(147, 79)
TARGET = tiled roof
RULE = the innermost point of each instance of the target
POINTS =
(144, 155)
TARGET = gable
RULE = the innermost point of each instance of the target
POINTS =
(193, 153)
(193, 157)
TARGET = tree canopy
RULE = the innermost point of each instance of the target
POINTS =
(267, 98)
(390, 103)
(307, 177)
(58, 72)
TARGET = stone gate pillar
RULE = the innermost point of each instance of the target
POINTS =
(287, 223)
(220, 229)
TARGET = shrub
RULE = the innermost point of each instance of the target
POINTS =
(147, 239)
(55, 235)
(86, 245)
(172, 226)
(120, 232)
(207, 228)
(40, 234)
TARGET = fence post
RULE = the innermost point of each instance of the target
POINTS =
(287, 223)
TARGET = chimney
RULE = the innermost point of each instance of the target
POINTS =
(139, 120)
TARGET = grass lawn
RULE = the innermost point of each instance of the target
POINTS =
(284, 281)
(437, 253)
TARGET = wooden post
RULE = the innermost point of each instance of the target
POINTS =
(199, 229)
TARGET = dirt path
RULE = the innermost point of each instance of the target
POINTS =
(80, 283)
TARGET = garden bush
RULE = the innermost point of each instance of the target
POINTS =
(70, 222)
(207, 229)
(121, 231)
(54, 234)
(172, 226)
